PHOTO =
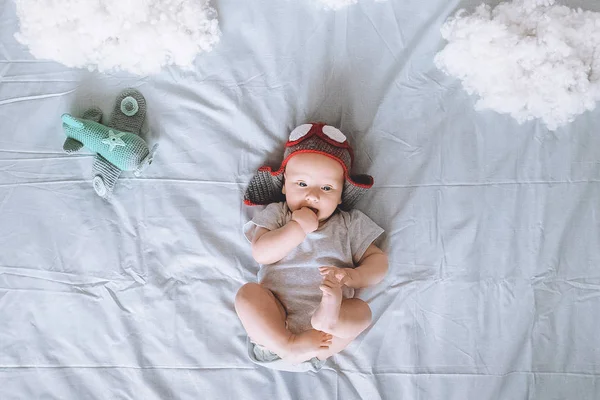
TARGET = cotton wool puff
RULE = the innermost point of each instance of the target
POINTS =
(527, 58)
(138, 36)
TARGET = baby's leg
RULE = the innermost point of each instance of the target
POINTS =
(343, 318)
(354, 317)
(263, 317)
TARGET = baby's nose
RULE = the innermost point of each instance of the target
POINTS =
(312, 195)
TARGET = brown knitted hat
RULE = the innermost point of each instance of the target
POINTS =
(265, 187)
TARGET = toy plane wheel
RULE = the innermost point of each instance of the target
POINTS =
(99, 186)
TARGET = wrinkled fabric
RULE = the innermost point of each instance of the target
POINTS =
(491, 227)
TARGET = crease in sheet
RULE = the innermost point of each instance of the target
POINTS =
(38, 97)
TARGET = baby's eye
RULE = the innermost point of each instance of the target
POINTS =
(302, 184)
(327, 188)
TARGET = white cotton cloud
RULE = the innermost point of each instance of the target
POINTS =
(138, 36)
(527, 58)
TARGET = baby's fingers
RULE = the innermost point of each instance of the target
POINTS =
(339, 274)
(327, 282)
(325, 270)
(331, 282)
(343, 279)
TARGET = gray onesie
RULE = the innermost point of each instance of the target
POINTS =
(295, 280)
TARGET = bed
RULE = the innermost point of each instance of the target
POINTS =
(492, 227)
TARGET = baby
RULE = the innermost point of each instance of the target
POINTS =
(314, 250)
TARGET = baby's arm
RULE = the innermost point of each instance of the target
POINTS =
(371, 269)
(268, 247)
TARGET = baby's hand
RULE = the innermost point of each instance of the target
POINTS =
(307, 219)
(343, 275)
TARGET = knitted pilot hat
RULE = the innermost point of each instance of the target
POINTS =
(265, 187)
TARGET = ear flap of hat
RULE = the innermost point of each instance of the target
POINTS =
(354, 189)
(264, 188)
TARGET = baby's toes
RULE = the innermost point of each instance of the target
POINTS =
(330, 280)
(326, 339)
(332, 283)
(331, 289)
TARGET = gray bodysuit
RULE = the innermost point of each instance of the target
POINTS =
(341, 241)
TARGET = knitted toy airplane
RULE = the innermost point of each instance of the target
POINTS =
(117, 145)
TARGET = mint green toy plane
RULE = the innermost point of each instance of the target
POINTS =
(117, 145)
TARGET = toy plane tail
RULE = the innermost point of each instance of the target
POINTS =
(72, 146)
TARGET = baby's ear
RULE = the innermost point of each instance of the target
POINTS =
(283, 184)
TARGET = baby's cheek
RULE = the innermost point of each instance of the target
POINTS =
(336, 200)
(292, 203)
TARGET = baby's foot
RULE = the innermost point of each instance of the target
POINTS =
(326, 316)
(306, 345)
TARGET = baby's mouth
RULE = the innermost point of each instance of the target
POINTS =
(314, 210)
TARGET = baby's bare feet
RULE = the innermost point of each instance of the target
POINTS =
(306, 345)
(326, 316)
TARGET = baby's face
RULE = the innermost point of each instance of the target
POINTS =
(314, 181)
